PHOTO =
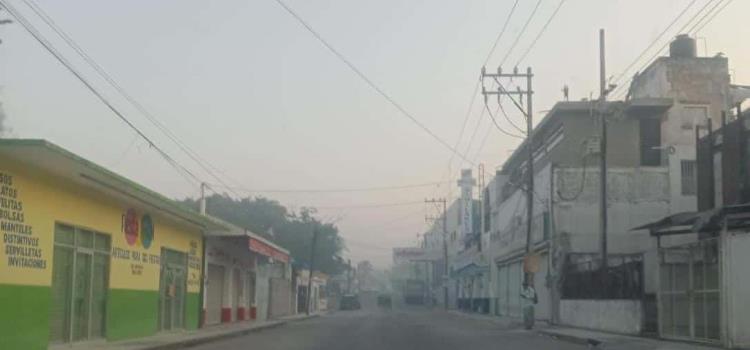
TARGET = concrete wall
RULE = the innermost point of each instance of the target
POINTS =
(636, 196)
(617, 316)
(699, 82)
(623, 141)
(736, 286)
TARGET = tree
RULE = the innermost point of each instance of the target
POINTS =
(275, 222)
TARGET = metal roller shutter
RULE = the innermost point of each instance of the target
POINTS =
(214, 293)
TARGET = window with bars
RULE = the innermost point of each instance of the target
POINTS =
(687, 173)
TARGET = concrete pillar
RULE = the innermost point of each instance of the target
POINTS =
(226, 299)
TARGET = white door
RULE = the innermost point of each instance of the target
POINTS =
(214, 293)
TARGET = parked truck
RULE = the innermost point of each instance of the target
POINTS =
(414, 292)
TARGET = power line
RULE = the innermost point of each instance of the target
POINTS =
(476, 88)
(539, 35)
(497, 126)
(502, 31)
(338, 190)
(502, 109)
(677, 18)
(713, 16)
(663, 47)
(103, 73)
(481, 145)
(704, 16)
(474, 133)
(48, 46)
(367, 206)
(523, 29)
(367, 80)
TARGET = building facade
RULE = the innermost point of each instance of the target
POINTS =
(248, 278)
(89, 255)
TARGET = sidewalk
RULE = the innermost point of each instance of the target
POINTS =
(182, 339)
(617, 341)
(505, 322)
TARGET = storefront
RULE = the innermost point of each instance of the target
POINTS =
(87, 254)
(247, 277)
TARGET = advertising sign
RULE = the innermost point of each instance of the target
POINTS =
(262, 248)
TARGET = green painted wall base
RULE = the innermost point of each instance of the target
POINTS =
(24, 315)
(24, 318)
(132, 314)
(192, 310)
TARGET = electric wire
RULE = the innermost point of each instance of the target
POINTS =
(60, 58)
(367, 80)
(338, 190)
(204, 164)
(476, 88)
(497, 126)
(653, 42)
(713, 16)
(539, 35)
(705, 16)
(523, 29)
(647, 62)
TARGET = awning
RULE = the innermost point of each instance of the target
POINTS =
(255, 242)
(705, 223)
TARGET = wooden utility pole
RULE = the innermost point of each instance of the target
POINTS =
(312, 268)
(603, 157)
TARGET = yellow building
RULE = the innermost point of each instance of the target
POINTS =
(87, 254)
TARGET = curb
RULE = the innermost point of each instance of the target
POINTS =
(212, 338)
(571, 338)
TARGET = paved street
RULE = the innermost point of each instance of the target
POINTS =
(396, 329)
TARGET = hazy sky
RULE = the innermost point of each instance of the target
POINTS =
(249, 89)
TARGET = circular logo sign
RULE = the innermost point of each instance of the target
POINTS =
(131, 227)
(147, 231)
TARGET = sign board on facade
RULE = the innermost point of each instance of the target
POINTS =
(262, 248)
(466, 183)
(407, 254)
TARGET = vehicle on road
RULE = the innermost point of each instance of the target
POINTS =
(384, 300)
(350, 302)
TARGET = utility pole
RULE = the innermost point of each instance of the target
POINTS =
(528, 113)
(445, 247)
(482, 204)
(603, 158)
(203, 199)
(312, 268)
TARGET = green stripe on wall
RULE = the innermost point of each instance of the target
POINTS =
(192, 310)
(132, 313)
(24, 322)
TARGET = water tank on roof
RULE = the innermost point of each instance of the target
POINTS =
(682, 46)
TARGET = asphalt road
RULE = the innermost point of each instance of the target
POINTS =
(401, 328)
